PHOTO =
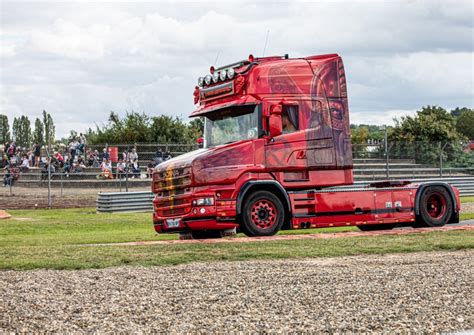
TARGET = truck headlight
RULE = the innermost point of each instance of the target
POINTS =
(203, 202)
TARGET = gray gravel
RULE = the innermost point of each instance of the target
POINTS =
(417, 292)
(467, 207)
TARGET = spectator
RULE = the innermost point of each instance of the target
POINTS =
(25, 164)
(90, 158)
(121, 169)
(59, 158)
(150, 169)
(67, 164)
(82, 142)
(106, 168)
(79, 166)
(45, 170)
(11, 151)
(7, 177)
(13, 159)
(37, 152)
(96, 158)
(105, 154)
(125, 156)
(3, 158)
(135, 169)
(133, 156)
(158, 157)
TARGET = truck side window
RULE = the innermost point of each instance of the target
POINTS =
(289, 119)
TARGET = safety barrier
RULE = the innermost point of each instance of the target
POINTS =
(142, 201)
(465, 185)
(124, 202)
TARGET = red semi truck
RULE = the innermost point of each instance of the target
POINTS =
(276, 138)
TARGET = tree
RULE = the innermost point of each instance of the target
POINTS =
(465, 123)
(22, 131)
(458, 111)
(49, 129)
(140, 128)
(4, 129)
(423, 136)
(15, 128)
(38, 134)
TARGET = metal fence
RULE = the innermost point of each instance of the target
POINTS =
(77, 184)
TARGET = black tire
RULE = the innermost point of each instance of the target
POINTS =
(373, 227)
(435, 207)
(262, 215)
(205, 234)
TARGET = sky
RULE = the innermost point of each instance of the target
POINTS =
(79, 60)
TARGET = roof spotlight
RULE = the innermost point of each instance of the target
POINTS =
(215, 77)
(201, 81)
(230, 73)
(222, 75)
(207, 79)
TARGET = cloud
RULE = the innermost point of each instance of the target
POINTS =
(80, 60)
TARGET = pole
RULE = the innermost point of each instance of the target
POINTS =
(441, 158)
(386, 153)
(126, 170)
(49, 173)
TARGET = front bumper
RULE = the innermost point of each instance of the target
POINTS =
(171, 218)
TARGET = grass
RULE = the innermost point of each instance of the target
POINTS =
(467, 216)
(54, 239)
(467, 199)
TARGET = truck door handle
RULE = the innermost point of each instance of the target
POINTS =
(358, 211)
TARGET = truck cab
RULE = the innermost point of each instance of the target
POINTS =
(276, 136)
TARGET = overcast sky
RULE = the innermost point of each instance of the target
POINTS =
(81, 60)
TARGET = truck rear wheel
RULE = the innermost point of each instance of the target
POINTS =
(372, 227)
(435, 206)
(263, 214)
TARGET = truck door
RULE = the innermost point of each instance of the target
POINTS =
(286, 153)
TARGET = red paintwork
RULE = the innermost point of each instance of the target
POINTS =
(316, 156)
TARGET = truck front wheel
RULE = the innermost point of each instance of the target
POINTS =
(263, 214)
(435, 206)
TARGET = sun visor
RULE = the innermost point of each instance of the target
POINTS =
(245, 100)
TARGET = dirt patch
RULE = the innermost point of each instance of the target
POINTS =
(467, 207)
(403, 231)
(32, 198)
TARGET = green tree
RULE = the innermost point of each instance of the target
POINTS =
(15, 128)
(140, 128)
(465, 123)
(458, 111)
(38, 134)
(422, 136)
(24, 137)
(49, 129)
(4, 129)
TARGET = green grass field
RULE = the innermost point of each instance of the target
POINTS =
(467, 199)
(55, 239)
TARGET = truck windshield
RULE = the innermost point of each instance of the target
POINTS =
(231, 124)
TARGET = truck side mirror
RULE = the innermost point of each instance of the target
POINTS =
(274, 122)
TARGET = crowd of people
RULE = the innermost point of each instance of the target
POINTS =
(75, 157)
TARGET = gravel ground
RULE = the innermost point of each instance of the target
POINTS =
(467, 207)
(417, 292)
